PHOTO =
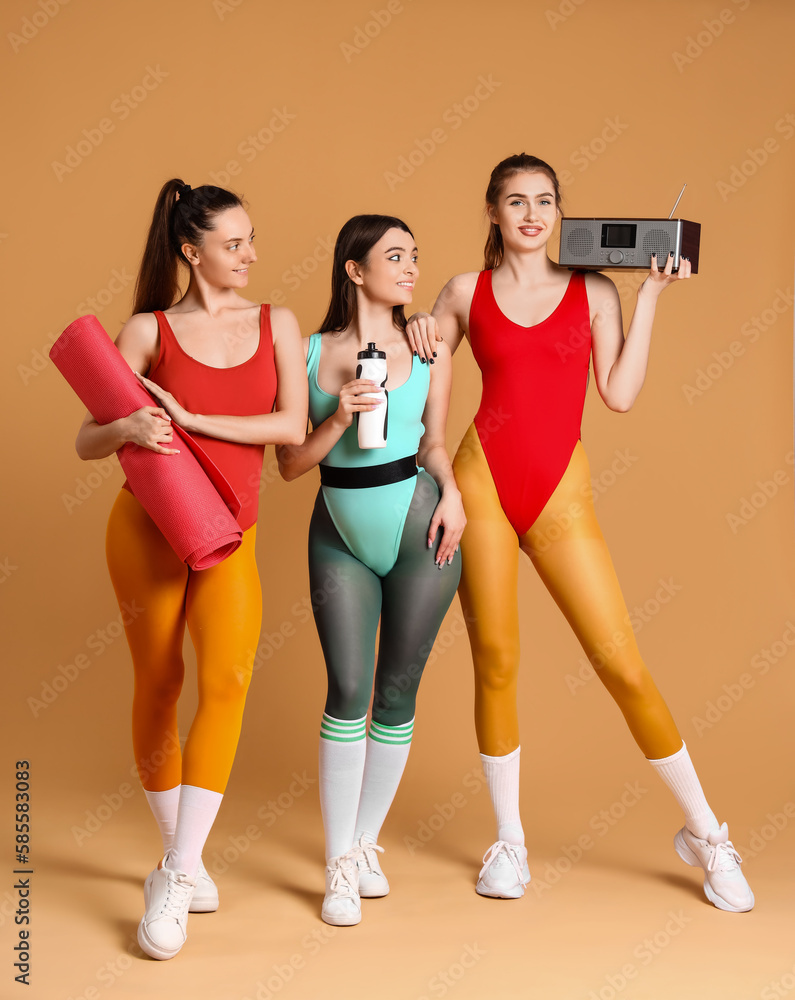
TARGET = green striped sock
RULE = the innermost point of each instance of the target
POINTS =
(342, 731)
(394, 735)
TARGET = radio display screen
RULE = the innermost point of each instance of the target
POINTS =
(614, 235)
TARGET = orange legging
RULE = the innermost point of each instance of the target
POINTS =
(222, 607)
(566, 546)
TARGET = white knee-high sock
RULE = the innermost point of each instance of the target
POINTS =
(387, 752)
(502, 777)
(164, 806)
(680, 776)
(198, 808)
(341, 762)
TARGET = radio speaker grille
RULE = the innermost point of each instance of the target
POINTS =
(657, 241)
(580, 242)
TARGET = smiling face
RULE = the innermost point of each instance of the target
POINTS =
(390, 271)
(525, 211)
(227, 251)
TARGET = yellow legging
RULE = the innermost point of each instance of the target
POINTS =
(222, 607)
(566, 546)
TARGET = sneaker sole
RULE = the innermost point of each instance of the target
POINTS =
(516, 893)
(376, 891)
(148, 945)
(340, 920)
(204, 906)
(691, 858)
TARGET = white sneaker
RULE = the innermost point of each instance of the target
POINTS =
(504, 873)
(341, 905)
(372, 881)
(724, 883)
(164, 926)
(205, 895)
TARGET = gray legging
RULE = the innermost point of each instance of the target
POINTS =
(411, 601)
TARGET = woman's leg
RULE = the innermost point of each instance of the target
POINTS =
(568, 550)
(150, 583)
(488, 592)
(416, 596)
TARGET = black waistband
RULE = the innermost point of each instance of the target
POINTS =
(369, 475)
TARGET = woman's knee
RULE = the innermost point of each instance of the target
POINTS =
(496, 663)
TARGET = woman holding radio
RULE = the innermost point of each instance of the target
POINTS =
(525, 480)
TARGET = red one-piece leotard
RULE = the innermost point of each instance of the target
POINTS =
(534, 382)
(242, 390)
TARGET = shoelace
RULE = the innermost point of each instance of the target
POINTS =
(179, 891)
(344, 880)
(724, 858)
(366, 850)
(494, 854)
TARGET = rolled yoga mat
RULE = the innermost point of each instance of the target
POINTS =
(186, 495)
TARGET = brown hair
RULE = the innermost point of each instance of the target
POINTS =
(175, 221)
(519, 163)
(355, 241)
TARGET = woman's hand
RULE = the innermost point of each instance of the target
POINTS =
(449, 515)
(422, 331)
(358, 396)
(659, 280)
(167, 401)
(150, 427)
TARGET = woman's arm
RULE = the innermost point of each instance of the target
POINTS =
(150, 426)
(620, 365)
(448, 320)
(295, 460)
(285, 425)
(432, 454)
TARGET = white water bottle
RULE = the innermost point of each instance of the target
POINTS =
(371, 424)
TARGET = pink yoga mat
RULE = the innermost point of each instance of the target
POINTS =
(186, 495)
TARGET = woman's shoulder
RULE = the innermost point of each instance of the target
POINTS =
(140, 328)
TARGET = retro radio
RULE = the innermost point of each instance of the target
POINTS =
(597, 244)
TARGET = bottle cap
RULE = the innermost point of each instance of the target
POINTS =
(371, 352)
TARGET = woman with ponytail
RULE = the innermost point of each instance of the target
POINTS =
(525, 480)
(231, 373)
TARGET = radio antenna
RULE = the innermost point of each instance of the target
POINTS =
(678, 199)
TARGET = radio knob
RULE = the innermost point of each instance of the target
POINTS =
(615, 256)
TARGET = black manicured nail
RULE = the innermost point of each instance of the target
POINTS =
(431, 360)
(422, 360)
(654, 255)
(671, 253)
(434, 354)
(415, 354)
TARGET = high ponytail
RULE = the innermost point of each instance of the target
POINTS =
(182, 215)
(520, 163)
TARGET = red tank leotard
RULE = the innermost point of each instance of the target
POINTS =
(534, 381)
(242, 390)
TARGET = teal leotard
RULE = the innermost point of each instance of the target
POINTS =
(370, 521)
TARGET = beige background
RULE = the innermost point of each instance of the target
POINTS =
(630, 100)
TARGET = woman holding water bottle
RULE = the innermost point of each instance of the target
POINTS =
(386, 524)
